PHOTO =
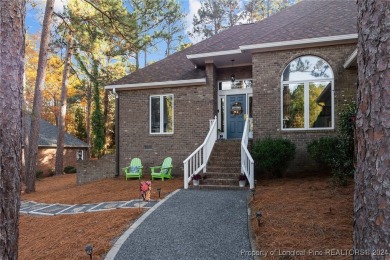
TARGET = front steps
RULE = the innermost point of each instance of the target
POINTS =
(223, 167)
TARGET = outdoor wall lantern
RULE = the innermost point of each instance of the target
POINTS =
(232, 77)
(258, 217)
(88, 250)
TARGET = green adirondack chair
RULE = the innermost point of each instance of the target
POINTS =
(164, 171)
(134, 170)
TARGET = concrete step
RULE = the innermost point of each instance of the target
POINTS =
(218, 187)
(224, 169)
(226, 163)
(223, 181)
(225, 155)
(215, 158)
(220, 175)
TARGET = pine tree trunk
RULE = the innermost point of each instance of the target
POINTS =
(106, 111)
(89, 101)
(25, 139)
(37, 104)
(372, 188)
(12, 44)
(59, 168)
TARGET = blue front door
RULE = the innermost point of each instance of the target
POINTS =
(236, 109)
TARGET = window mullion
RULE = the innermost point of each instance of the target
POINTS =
(161, 114)
(306, 105)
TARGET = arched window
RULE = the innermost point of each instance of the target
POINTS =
(307, 94)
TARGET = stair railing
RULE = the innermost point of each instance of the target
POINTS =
(247, 163)
(197, 161)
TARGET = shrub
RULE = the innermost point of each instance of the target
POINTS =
(273, 155)
(337, 152)
(38, 174)
(51, 172)
(322, 150)
(70, 169)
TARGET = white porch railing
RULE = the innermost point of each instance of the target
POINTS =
(197, 161)
(247, 163)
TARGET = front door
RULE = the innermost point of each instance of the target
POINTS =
(236, 109)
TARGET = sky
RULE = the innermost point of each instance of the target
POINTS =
(34, 18)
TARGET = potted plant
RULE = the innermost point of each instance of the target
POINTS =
(242, 180)
(195, 179)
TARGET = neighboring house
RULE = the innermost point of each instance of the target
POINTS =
(74, 149)
(292, 74)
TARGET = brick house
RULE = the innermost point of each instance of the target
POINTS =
(75, 150)
(291, 73)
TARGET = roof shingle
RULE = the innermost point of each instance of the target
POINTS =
(48, 136)
(304, 20)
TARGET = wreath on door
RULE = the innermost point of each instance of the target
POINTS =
(236, 109)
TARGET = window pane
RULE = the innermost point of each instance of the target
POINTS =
(293, 106)
(320, 104)
(238, 84)
(168, 114)
(307, 68)
(250, 107)
(222, 109)
(155, 114)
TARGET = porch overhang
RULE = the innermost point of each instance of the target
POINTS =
(161, 84)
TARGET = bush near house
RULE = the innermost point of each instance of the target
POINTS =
(51, 172)
(39, 174)
(70, 169)
(272, 155)
(337, 153)
(322, 150)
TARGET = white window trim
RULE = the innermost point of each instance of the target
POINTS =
(230, 92)
(306, 105)
(82, 155)
(161, 114)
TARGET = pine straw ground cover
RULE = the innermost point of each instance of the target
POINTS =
(305, 216)
(65, 236)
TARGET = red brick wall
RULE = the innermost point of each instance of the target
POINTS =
(267, 71)
(193, 107)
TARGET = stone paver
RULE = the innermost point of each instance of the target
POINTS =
(35, 208)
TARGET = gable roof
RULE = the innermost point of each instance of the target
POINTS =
(307, 22)
(48, 136)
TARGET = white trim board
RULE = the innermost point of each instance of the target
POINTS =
(319, 41)
(262, 47)
(147, 85)
(213, 54)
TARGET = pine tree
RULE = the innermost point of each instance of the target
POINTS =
(372, 178)
(12, 48)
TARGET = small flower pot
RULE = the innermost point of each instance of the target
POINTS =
(242, 183)
(195, 182)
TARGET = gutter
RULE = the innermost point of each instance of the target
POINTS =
(116, 132)
(160, 84)
(302, 43)
(351, 59)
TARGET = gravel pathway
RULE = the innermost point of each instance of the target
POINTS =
(191, 224)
